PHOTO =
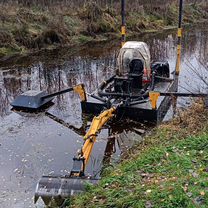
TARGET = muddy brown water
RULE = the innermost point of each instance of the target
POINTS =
(34, 144)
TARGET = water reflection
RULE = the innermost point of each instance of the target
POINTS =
(93, 68)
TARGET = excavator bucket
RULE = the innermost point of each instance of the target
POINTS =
(54, 190)
(31, 100)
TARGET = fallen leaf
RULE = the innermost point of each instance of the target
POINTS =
(195, 175)
(202, 193)
(170, 196)
(148, 204)
(148, 191)
(185, 188)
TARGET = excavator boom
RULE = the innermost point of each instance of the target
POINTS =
(54, 190)
(95, 127)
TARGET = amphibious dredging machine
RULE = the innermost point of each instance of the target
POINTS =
(131, 93)
(131, 88)
(139, 90)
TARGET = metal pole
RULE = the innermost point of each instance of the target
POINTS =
(181, 94)
(178, 62)
(123, 26)
(57, 93)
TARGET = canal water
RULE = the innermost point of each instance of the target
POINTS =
(32, 145)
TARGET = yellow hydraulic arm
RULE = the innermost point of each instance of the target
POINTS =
(83, 156)
(90, 137)
(80, 90)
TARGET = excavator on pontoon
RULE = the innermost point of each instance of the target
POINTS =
(138, 90)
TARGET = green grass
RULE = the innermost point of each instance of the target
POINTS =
(170, 169)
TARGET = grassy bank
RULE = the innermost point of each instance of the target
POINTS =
(31, 27)
(169, 169)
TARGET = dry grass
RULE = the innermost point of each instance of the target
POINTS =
(32, 25)
(189, 122)
(192, 120)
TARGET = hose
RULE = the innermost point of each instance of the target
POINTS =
(124, 95)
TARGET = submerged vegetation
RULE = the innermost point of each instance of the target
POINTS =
(34, 25)
(168, 169)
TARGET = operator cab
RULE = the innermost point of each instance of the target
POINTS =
(134, 68)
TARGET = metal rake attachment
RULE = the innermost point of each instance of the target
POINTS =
(54, 190)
